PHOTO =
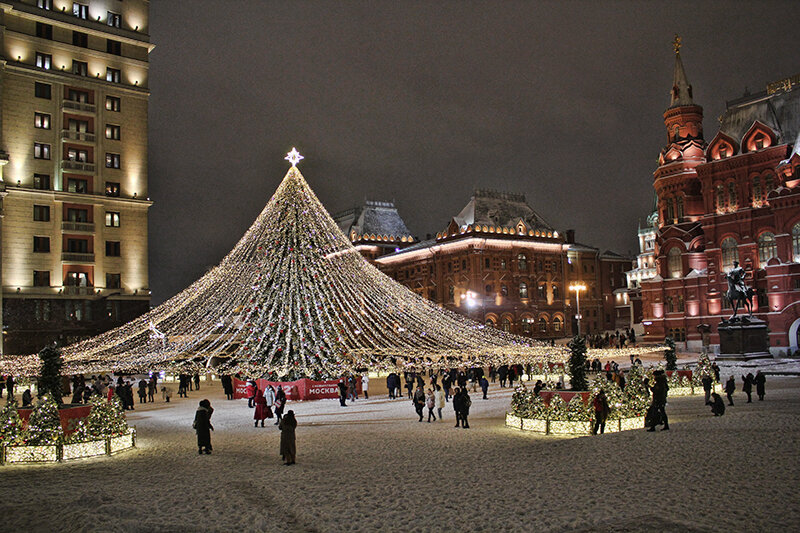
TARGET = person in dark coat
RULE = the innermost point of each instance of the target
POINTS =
(419, 401)
(77, 394)
(538, 387)
(747, 386)
(659, 404)
(151, 390)
(280, 404)
(715, 369)
(27, 398)
(502, 372)
(717, 405)
(706, 381)
(457, 405)
(760, 381)
(142, 391)
(390, 385)
(10, 386)
(227, 386)
(197, 382)
(601, 411)
(466, 403)
(342, 393)
(484, 383)
(446, 384)
(288, 445)
(730, 388)
(202, 426)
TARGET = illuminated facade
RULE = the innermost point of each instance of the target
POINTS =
(733, 198)
(500, 263)
(73, 135)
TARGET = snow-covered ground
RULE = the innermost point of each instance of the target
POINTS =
(372, 467)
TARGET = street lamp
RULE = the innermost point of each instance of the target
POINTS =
(578, 287)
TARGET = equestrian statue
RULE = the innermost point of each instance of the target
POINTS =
(739, 293)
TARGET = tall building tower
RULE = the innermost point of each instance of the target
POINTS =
(73, 150)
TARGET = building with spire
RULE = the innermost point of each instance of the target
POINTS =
(73, 157)
(735, 198)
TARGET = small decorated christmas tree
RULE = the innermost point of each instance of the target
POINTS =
(10, 424)
(558, 408)
(520, 401)
(50, 378)
(616, 403)
(670, 355)
(577, 364)
(576, 410)
(636, 395)
(106, 418)
(44, 425)
(702, 370)
(81, 433)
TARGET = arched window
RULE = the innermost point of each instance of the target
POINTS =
(555, 292)
(720, 199)
(557, 324)
(796, 242)
(542, 291)
(675, 263)
(522, 263)
(526, 325)
(730, 253)
(767, 249)
(542, 324)
(756, 192)
(670, 211)
(679, 207)
(523, 290)
(490, 322)
(506, 325)
(680, 303)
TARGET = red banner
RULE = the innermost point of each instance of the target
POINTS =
(301, 389)
(69, 417)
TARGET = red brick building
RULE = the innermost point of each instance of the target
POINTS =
(733, 198)
(498, 262)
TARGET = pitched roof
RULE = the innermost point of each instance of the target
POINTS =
(780, 111)
(373, 218)
(496, 208)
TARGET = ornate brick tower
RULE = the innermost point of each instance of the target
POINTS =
(676, 184)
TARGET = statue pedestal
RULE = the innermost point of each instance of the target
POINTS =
(742, 339)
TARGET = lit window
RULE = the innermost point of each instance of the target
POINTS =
(112, 219)
(557, 324)
(112, 132)
(796, 242)
(41, 151)
(523, 290)
(112, 188)
(80, 10)
(44, 60)
(112, 103)
(41, 120)
(77, 185)
(767, 248)
(675, 263)
(732, 199)
(506, 324)
(756, 192)
(112, 160)
(542, 325)
(113, 75)
(522, 263)
(555, 292)
(114, 19)
(75, 154)
(44, 4)
(730, 253)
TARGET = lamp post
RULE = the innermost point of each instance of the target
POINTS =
(578, 287)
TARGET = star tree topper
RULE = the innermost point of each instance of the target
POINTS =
(293, 157)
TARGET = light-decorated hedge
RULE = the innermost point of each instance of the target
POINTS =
(43, 439)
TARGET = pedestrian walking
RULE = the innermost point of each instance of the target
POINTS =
(10, 386)
(466, 403)
(250, 389)
(197, 382)
(227, 386)
(419, 401)
(166, 393)
(288, 426)
(730, 388)
(601, 411)
(760, 381)
(747, 386)
(446, 384)
(440, 400)
(342, 393)
(715, 370)
(430, 403)
(203, 428)
(269, 397)
(659, 413)
(706, 381)
(280, 404)
(365, 386)
(260, 412)
(457, 405)
(151, 390)
(484, 383)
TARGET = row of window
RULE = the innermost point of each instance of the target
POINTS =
(41, 213)
(43, 121)
(41, 278)
(43, 151)
(77, 185)
(45, 31)
(81, 11)
(81, 68)
(75, 246)
(726, 197)
(75, 310)
(45, 91)
(528, 324)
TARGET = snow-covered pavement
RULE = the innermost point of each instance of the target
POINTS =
(372, 467)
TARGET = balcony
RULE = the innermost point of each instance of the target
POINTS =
(75, 257)
(77, 135)
(77, 226)
(78, 106)
(78, 291)
(68, 164)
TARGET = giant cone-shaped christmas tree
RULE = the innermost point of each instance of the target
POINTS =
(294, 297)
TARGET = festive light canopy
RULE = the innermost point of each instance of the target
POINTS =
(294, 297)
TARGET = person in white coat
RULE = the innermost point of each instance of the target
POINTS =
(439, 396)
(269, 395)
(365, 386)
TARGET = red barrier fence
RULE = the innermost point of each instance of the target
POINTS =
(301, 389)
(70, 416)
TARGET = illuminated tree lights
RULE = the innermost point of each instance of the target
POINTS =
(292, 298)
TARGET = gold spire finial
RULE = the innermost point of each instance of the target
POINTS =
(676, 44)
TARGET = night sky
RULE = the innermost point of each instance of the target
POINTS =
(421, 102)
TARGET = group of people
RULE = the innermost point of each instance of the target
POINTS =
(434, 399)
(612, 340)
(749, 381)
(348, 388)
(185, 382)
(265, 401)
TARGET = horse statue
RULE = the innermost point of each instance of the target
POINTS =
(739, 293)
